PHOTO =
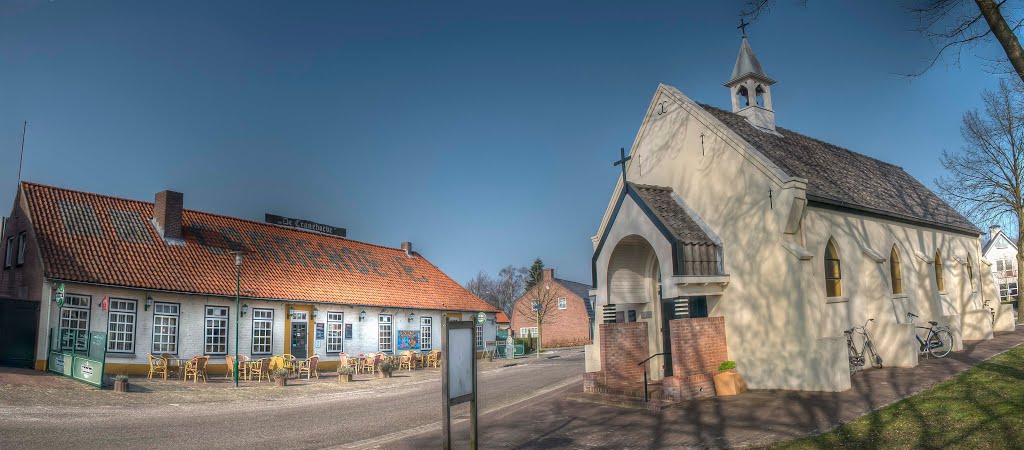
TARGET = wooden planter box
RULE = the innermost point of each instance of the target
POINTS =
(729, 383)
(281, 382)
(120, 386)
(383, 374)
(345, 378)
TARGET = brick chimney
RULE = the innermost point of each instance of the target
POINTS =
(549, 274)
(407, 246)
(167, 214)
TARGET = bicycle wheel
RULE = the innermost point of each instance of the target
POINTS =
(940, 343)
(871, 355)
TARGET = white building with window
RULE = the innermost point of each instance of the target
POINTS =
(1001, 251)
(160, 279)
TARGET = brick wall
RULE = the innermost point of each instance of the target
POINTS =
(698, 346)
(623, 347)
(24, 281)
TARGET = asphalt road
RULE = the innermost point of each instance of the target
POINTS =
(353, 419)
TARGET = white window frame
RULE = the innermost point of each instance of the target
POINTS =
(335, 332)
(166, 320)
(562, 303)
(214, 321)
(78, 306)
(262, 331)
(22, 242)
(385, 333)
(479, 335)
(122, 323)
(523, 331)
(9, 253)
(426, 333)
(1006, 292)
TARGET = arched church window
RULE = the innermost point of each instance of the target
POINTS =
(833, 274)
(939, 282)
(743, 97)
(759, 95)
(895, 273)
(970, 271)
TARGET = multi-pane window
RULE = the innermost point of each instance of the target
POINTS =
(384, 333)
(216, 330)
(562, 304)
(1008, 292)
(335, 332)
(895, 272)
(165, 328)
(74, 322)
(479, 336)
(9, 255)
(833, 273)
(262, 331)
(121, 325)
(939, 282)
(22, 240)
(531, 331)
(426, 333)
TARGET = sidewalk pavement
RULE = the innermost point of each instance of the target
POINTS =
(754, 418)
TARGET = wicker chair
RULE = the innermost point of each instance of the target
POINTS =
(369, 363)
(157, 366)
(197, 368)
(434, 358)
(309, 367)
(406, 359)
(260, 368)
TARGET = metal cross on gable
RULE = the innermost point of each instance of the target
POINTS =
(743, 27)
(622, 162)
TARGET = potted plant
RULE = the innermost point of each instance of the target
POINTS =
(121, 383)
(345, 374)
(281, 376)
(728, 381)
(385, 369)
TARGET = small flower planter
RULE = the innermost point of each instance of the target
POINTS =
(281, 382)
(345, 378)
(728, 381)
(280, 377)
(120, 386)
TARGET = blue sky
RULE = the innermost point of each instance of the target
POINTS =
(482, 132)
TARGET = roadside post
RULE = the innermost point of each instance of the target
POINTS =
(536, 311)
(458, 377)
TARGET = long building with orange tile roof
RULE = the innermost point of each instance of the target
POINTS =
(159, 278)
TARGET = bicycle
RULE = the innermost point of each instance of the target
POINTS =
(939, 341)
(857, 358)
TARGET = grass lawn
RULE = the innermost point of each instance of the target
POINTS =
(980, 408)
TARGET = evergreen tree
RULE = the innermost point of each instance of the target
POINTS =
(536, 274)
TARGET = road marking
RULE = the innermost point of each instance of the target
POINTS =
(378, 441)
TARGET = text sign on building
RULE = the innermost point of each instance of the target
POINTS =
(304, 224)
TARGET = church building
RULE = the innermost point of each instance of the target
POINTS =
(731, 238)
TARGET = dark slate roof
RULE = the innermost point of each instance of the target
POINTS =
(672, 214)
(842, 177)
(581, 290)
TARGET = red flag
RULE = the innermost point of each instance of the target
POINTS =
(103, 304)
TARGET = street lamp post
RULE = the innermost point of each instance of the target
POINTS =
(238, 311)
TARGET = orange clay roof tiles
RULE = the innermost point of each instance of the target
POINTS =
(99, 239)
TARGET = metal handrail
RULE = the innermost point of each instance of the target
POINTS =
(646, 394)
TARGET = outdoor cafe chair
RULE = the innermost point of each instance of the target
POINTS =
(288, 361)
(434, 358)
(260, 368)
(197, 368)
(369, 364)
(406, 360)
(157, 366)
(309, 367)
(173, 364)
(243, 366)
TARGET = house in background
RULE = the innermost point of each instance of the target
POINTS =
(570, 320)
(504, 323)
(1002, 253)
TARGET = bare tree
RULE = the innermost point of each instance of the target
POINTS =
(951, 25)
(538, 303)
(985, 180)
(509, 287)
(484, 287)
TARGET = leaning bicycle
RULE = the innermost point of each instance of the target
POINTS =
(865, 353)
(938, 342)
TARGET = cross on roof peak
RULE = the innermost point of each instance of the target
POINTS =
(743, 27)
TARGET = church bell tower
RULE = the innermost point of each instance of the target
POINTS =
(750, 88)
